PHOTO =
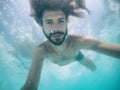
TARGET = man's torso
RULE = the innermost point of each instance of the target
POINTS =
(64, 57)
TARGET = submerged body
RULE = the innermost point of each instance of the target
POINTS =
(65, 52)
(62, 48)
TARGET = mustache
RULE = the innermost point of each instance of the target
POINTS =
(58, 32)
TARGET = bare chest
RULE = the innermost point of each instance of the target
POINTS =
(65, 55)
(63, 58)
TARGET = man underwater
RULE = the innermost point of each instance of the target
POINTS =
(61, 48)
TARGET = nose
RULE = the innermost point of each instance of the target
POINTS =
(55, 28)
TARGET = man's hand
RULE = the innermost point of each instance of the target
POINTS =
(76, 5)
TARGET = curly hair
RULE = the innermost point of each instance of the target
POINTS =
(39, 6)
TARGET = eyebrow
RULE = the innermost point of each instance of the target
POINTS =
(49, 20)
(61, 18)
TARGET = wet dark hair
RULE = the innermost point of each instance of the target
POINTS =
(39, 6)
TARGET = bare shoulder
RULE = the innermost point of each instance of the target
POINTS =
(75, 37)
(73, 41)
(40, 51)
(84, 41)
(45, 47)
(82, 38)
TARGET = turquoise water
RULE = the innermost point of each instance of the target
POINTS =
(19, 35)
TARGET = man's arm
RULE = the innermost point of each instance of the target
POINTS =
(35, 71)
(102, 47)
(88, 63)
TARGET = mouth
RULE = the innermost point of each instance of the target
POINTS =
(57, 35)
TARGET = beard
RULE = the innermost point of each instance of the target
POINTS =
(56, 40)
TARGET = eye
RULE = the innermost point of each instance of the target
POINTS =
(61, 21)
(49, 23)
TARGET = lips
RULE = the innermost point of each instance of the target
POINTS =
(57, 35)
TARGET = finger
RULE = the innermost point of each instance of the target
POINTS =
(77, 13)
(73, 4)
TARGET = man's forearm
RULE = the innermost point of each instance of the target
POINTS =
(108, 49)
(29, 86)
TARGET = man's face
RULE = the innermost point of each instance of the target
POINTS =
(54, 26)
